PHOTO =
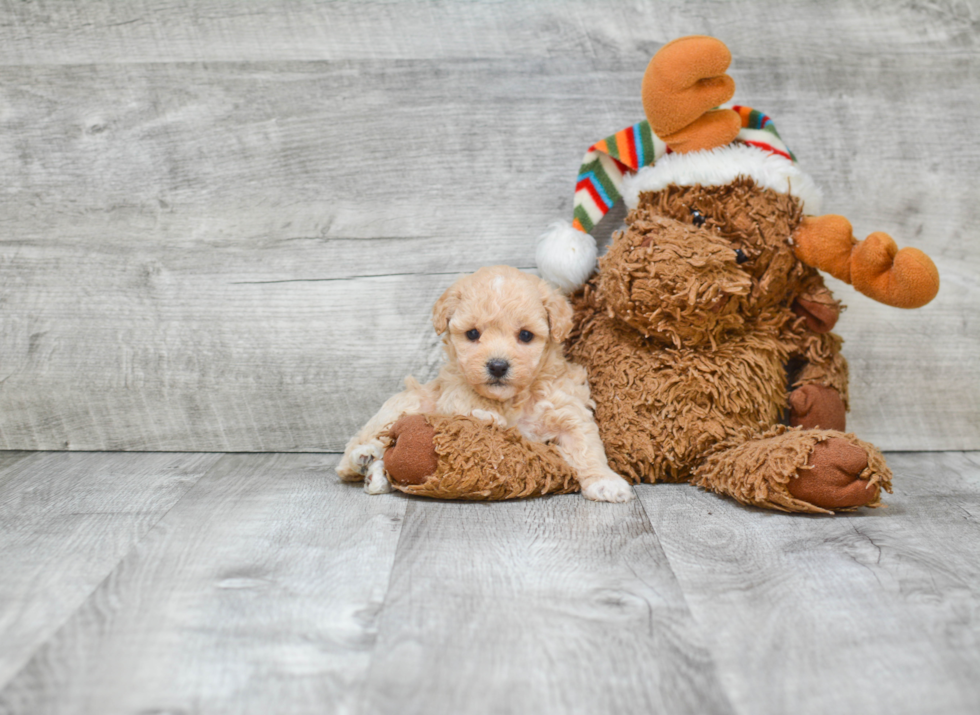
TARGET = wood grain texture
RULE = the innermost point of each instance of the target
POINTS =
(66, 520)
(223, 227)
(270, 587)
(546, 606)
(8, 459)
(872, 612)
(259, 592)
(46, 32)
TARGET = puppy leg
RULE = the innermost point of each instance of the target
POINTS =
(356, 463)
(376, 481)
(366, 447)
(489, 417)
(611, 488)
(582, 448)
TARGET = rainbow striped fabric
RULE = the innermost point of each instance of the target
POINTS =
(759, 131)
(600, 178)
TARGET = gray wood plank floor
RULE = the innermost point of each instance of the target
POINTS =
(258, 583)
(224, 223)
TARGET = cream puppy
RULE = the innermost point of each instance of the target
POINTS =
(503, 332)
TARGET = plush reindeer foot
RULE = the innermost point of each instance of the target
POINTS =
(834, 481)
(412, 459)
(464, 457)
(817, 406)
(813, 471)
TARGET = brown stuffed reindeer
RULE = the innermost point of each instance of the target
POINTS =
(711, 295)
(706, 330)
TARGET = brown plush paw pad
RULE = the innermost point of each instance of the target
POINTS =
(833, 481)
(817, 406)
(819, 317)
(412, 458)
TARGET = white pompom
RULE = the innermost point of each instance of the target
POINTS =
(565, 256)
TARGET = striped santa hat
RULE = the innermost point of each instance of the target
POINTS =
(635, 160)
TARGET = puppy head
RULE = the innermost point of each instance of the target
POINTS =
(501, 325)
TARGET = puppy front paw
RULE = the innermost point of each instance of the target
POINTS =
(489, 417)
(355, 464)
(611, 488)
(376, 482)
(346, 471)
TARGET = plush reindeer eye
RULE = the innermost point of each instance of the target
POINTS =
(525, 336)
(740, 256)
(697, 218)
(473, 334)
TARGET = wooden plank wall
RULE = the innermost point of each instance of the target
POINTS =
(223, 223)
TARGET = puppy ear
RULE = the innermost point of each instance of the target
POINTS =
(442, 311)
(559, 311)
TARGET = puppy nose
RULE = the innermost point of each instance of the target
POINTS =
(498, 367)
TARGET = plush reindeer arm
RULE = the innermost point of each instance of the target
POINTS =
(905, 278)
(819, 396)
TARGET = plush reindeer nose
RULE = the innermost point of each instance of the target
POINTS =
(498, 367)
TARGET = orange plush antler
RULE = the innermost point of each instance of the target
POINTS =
(682, 85)
(904, 278)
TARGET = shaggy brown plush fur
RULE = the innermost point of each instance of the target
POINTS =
(758, 470)
(687, 331)
(477, 461)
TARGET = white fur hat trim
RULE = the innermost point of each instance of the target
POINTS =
(717, 167)
(565, 256)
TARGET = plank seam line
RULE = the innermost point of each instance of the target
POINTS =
(362, 698)
(348, 278)
(85, 599)
(687, 604)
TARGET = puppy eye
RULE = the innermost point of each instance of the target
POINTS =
(697, 218)
(525, 336)
(473, 334)
(740, 256)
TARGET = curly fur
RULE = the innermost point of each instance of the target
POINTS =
(541, 395)
(756, 468)
(481, 462)
(687, 331)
